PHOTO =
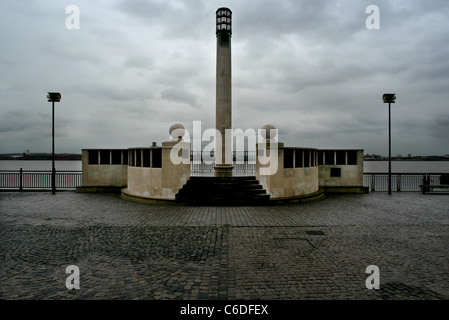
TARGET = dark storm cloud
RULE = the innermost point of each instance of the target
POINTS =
(321, 18)
(440, 127)
(309, 67)
(137, 62)
(14, 120)
(173, 19)
(180, 95)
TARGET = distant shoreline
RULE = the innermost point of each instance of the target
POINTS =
(78, 157)
(45, 156)
(410, 159)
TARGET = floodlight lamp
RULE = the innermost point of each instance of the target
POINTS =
(54, 96)
(389, 97)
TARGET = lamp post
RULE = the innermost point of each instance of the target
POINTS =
(389, 98)
(53, 97)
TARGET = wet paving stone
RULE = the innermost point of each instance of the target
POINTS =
(128, 250)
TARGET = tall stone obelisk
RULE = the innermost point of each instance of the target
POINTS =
(223, 116)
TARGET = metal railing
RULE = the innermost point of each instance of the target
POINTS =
(400, 181)
(41, 179)
(38, 179)
(202, 164)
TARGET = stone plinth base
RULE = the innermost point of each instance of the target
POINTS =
(315, 196)
(126, 194)
(99, 189)
(223, 171)
(345, 189)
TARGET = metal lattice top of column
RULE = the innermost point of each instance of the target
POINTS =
(224, 21)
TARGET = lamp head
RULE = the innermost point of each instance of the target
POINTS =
(54, 96)
(224, 21)
(389, 97)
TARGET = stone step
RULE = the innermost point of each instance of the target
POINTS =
(218, 194)
(224, 187)
(223, 191)
(221, 181)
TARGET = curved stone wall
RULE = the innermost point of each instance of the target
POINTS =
(153, 175)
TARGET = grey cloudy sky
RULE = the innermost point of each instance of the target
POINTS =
(311, 68)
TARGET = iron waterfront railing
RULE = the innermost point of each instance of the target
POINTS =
(202, 163)
(41, 179)
(38, 179)
(376, 181)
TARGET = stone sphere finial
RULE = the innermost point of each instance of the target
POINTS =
(269, 132)
(177, 131)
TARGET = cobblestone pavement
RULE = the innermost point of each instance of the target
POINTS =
(130, 250)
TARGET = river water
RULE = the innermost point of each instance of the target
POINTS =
(74, 165)
(369, 166)
(407, 166)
